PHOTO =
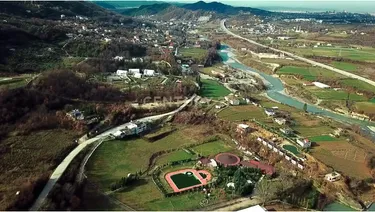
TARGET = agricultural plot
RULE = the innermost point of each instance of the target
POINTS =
(308, 73)
(366, 54)
(344, 157)
(345, 66)
(366, 107)
(213, 89)
(358, 84)
(330, 94)
(310, 131)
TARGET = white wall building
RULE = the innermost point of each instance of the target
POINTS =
(321, 85)
(134, 70)
(121, 72)
(304, 142)
(149, 72)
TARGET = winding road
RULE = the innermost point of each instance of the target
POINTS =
(60, 169)
(354, 76)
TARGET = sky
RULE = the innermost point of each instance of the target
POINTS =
(312, 5)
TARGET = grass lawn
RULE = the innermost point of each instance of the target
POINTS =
(344, 66)
(358, 84)
(117, 158)
(212, 148)
(308, 131)
(188, 201)
(322, 138)
(291, 149)
(238, 113)
(193, 52)
(336, 95)
(212, 88)
(308, 73)
(174, 156)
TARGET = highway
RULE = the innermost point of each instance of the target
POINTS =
(60, 169)
(314, 63)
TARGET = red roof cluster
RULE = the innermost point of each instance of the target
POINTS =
(266, 169)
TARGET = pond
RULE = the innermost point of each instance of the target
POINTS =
(291, 149)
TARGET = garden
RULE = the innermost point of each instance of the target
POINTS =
(213, 89)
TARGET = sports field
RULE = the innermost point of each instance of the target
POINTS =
(242, 112)
(213, 89)
(184, 180)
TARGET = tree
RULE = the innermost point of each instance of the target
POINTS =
(305, 108)
(263, 190)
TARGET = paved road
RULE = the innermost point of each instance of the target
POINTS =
(354, 76)
(60, 169)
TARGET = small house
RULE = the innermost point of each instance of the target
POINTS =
(134, 70)
(269, 111)
(303, 142)
(243, 129)
(332, 177)
(121, 72)
(286, 131)
(321, 85)
(149, 72)
(280, 121)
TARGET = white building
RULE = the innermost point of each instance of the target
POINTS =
(280, 121)
(321, 85)
(269, 111)
(121, 72)
(332, 177)
(234, 102)
(256, 208)
(304, 142)
(137, 75)
(134, 70)
(149, 72)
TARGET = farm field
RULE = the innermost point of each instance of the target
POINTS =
(358, 84)
(213, 89)
(330, 94)
(117, 158)
(212, 148)
(308, 73)
(310, 131)
(366, 54)
(345, 66)
(343, 156)
(366, 107)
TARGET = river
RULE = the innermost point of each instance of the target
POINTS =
(276, 92)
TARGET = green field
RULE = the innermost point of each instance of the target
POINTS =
(196, 53)
(184, 180)
(212, 88)
(366, 107)
(331, 94)
(239, 113)
(344, 66)
(308, 73)
(358, 84)
(322, 138)
(307, 131)
(174, 156)
(212, 148)
(116, 159)
(365, 54)
(291, 149)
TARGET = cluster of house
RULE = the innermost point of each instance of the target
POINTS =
(234, 99)
(76, 114)
(270, 145)
(136, 72)
(133, 128)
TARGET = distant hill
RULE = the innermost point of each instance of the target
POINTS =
(223, 9)
(191, 10)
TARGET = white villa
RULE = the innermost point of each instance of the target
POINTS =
(304, 142)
